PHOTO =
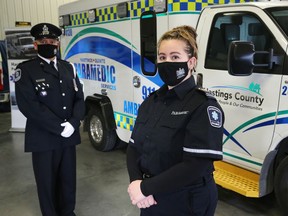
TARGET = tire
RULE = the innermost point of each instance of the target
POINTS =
(281, 185)
(100, 138)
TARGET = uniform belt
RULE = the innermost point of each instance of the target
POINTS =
(145, 176)
(202, 180)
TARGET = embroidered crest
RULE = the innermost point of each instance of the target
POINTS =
(215, 116)
(43, 93)
(16, 76)
(180, 73)
(45, 30)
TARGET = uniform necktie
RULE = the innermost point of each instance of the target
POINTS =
(52, 63)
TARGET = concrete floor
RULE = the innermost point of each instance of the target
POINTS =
(101, 183)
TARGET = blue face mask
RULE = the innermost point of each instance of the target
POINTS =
(172, 73)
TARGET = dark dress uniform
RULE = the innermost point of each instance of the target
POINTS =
(47, 98)
(177, 136)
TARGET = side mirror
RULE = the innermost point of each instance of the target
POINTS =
(240, 58)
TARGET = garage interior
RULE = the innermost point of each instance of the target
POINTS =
(102, 181)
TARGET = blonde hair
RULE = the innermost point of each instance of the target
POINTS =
(185, 33)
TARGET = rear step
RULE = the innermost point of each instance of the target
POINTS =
(236, 179)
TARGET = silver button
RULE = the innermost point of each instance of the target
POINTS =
(64, 108)
(63, 94)
(60, 81)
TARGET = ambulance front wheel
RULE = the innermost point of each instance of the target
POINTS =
(281, 185)
(101, 138)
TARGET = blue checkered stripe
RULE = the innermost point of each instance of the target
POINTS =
(79, 18)
(123, 121)
(196, 5)
(138, 7)
(106, 14)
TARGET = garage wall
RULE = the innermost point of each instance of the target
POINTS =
(33, 11)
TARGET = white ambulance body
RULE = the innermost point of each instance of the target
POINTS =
(107, 56)
(113, 47)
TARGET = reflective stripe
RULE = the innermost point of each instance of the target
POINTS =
(131, 140)
(79, 18)
(202, 151)
(123, 121)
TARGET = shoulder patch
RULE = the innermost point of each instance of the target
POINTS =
(215, 116)
(16, 76)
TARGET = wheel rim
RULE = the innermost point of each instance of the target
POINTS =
(96, 129)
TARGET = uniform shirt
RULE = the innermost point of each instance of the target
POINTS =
(176, 132)
(47, 98)
(49, 61)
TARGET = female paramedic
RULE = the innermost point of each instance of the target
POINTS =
(177, 136)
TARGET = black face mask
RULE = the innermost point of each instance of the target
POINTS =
(172, 73)
(47, 50)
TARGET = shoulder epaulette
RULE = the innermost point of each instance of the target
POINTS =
(63, 61)
(152, 93)
(26, 61)
(207, 93)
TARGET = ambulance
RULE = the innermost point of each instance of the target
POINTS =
(4, 91)
(242, 62)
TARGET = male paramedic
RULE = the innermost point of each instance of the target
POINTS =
(50, 96)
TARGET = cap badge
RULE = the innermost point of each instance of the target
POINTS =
(45, 30)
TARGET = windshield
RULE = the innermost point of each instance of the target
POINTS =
(26, 41)
(280, 15)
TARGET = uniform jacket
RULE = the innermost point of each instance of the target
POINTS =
(184, 121)
(47, 98)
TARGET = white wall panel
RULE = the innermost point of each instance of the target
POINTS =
(34, 11)
(10, 13)
(4, 18)
(47, 10)
(54, 12)
(18, 9)
(27, 13)
(41, 11)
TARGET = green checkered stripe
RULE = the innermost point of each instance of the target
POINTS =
(123, 121)
(106, 14)
(79, 18)
(138, 7)
(196, 5)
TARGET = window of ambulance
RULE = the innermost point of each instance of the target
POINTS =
(242, 26)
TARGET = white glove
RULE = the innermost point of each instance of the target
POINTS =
(68, 129)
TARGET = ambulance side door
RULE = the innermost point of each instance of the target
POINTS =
(250, 103)
(147, 28)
